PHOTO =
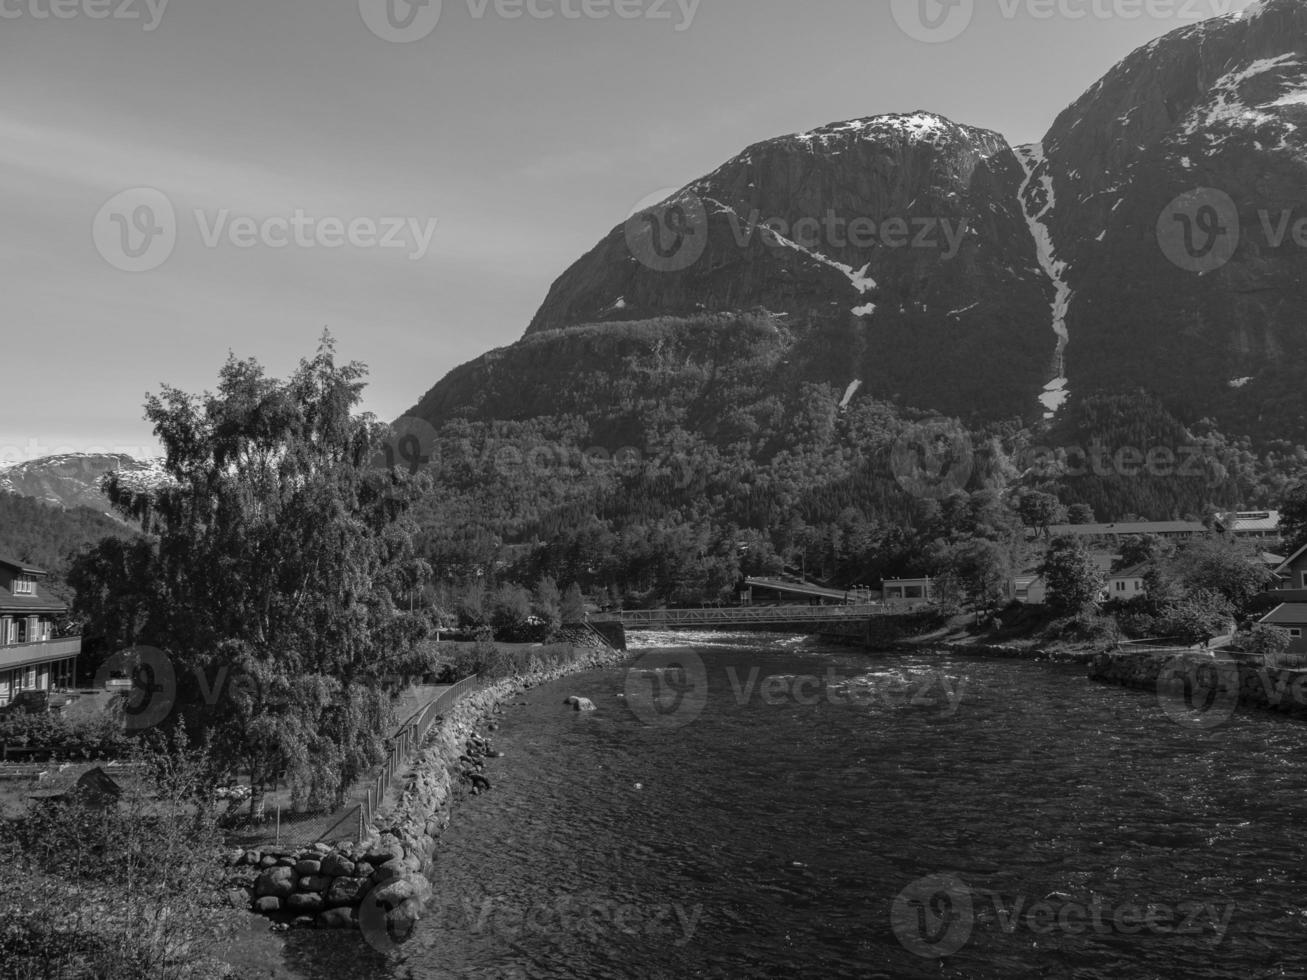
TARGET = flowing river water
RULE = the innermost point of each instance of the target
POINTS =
(831, 813)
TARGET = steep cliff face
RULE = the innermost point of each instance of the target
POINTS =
(1180, 179)
(900, 237)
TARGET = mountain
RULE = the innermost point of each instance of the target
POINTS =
(72, 479)
(751, 369)
(1201, 133)
(931, 264)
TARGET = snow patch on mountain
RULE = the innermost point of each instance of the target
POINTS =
(1038, 198)
(1229, 110)
(859, 279)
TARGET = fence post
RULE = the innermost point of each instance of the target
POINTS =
(279, 825)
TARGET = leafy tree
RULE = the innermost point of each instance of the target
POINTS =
(573, 605)
(1221, 567)
(976, 573)
(1040, 510)
(547, 602)
(1199, 616)
(1293, 518)
(1081, 514)
(275, 552)
(1141, 549)
(511, 607)
(1075, 582)
(1268, 641)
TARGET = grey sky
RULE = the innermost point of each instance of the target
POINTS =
(525, 139)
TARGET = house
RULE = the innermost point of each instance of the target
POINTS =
(912, 590)
(1113, 533)
(1292, 617)
(1245, 525)
(1127, 583)
(1292, 572)
(30, 658)
(1258, 525)
(1031, 588)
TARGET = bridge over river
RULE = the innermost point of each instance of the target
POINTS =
(835, 619)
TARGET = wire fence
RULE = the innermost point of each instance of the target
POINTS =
(283, 827)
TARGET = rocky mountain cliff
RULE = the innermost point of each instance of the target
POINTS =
(1147, 242)
(1177, 183)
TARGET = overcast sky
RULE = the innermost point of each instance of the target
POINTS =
(506, 147)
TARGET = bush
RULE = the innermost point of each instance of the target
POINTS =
(1086, 628)
(117, 893)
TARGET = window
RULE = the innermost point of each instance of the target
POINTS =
(24, 585)
(1296, 633)
(1120, 586)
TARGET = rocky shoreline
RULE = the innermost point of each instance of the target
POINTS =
(379, 885)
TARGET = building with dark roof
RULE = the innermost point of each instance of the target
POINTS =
(31, 659)
(1290, 616)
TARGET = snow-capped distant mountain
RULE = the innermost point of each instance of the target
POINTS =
(73, 479)
(1156, 238)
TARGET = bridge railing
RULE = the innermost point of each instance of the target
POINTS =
(744, 615)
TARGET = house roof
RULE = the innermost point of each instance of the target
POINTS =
(796, 588)
(29, 605)
(1288, 562)
(1253, 521)
(1287, 614)
(1137, 527)
(1134, 571)
(21, 566)
(91, 779)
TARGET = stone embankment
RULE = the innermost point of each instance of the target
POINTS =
(1207, 680)
(380, 884)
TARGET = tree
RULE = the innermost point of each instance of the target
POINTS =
(976, 573)
(275, 549)
(511, 607)
(1141, 549)
(1221, 567)
(1268, 641)
(1199, 616)
(1040, 510)
(1293, 518)
(1081, 514)
(1074, 580)
(547, 602)
(573, 605)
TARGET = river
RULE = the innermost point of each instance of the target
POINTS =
(830, 813)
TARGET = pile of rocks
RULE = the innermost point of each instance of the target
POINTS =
(324, 886)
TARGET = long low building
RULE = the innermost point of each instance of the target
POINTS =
(1247, 524)
(31, 659)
